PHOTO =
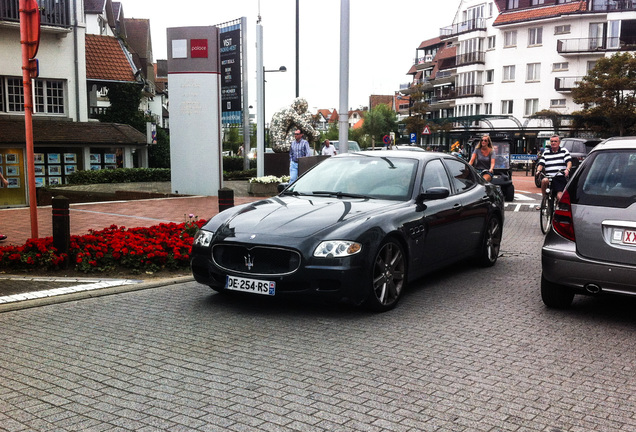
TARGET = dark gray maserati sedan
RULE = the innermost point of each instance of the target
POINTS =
(357, 227)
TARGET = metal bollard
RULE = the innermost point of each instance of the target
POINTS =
(61, 222)
(226, 199)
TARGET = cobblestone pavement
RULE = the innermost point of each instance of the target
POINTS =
(468, 349)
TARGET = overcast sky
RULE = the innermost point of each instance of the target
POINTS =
(383, 39)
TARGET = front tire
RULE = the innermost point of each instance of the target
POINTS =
(491, 243)
(388, 277)
(554, 295)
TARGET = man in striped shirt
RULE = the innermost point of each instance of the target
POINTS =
(553, 160)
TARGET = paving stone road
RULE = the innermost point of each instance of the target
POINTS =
(468, 349)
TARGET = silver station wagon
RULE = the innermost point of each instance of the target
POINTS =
(591, 248)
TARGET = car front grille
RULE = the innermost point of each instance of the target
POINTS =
(255, 260)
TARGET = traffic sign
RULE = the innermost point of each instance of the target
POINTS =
(426, 130)
(386, 139)
(413, 137)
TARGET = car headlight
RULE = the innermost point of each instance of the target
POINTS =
(337, 249)
(203, 238)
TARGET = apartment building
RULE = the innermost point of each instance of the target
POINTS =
(501, 61)
(81, 49)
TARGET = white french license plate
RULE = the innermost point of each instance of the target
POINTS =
(629, 237)
(250, 285)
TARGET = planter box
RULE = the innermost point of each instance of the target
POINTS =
(262, 190)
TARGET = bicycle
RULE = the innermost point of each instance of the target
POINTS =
(547, 203)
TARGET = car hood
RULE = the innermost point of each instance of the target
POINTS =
(298, 216)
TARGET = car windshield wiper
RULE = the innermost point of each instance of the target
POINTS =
(295, 193)
(339, 194)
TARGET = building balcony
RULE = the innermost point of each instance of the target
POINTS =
(477, 57)
(52, 12)
(470, 91)
(612, 5)
(463, 27)
(566, 84)
(593, 45)
(447, 63)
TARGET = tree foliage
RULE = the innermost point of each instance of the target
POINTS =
(159, 154)
(555, 118)
(379, 121)
(607, 95)
(417, 120)
(124, 101)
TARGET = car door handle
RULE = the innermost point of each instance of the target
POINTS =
(485, 198)
(457, 206)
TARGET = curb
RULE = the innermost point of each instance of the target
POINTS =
(99, 292)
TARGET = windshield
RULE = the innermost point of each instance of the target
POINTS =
(359, 176)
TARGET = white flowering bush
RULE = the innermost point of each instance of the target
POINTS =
(287, 120)
(270, 179)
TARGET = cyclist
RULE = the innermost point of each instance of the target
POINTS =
(483, 158)
(555, 159)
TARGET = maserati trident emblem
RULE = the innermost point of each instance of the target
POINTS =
(249, 261)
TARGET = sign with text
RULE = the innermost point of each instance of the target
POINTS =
(199, 48)
(230, 53)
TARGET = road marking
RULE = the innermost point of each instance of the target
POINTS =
(67, 290)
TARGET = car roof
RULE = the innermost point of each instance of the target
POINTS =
(617, 143)
(400, 153)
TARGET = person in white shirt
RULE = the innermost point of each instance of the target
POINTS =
(328, 149)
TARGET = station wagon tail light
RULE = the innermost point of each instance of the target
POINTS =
(562, 221)
(337, 249)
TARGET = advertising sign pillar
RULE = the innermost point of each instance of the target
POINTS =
(195, 110)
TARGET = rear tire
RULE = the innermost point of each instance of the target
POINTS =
(509, 193)
(388, 277)
(545, 214)
(555, 296)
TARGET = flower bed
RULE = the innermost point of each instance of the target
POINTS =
(151, 249)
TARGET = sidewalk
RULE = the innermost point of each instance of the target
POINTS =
(28, 291)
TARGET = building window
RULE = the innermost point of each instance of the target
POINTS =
(491, 42)
(506, 107)
(49, 96)
(487, 108)
(510, 38)
(537, 2)
(532, 106)
(535, 36)
(490, 76)
(513, 4)
(562, 29)
(533, 72)
(508, 73)
(563, 66)
(557, 103)
(15, 95)
(590, 65)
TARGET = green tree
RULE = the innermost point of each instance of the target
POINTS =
(159, 154)
(417, 119)
(124, 101)
(379, 121)
(607, 95)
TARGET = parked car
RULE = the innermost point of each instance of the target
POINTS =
(399, 147)
(357, 227)
(591, 248)
(579, 148)
(353, 146)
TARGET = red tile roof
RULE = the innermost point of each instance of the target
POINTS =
(430, 42)
(531, 14)
(106, 61)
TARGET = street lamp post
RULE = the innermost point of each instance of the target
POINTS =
(260, 125)
(280, 69)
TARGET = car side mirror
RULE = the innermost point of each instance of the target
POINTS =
(434, 193)
(281, 187)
